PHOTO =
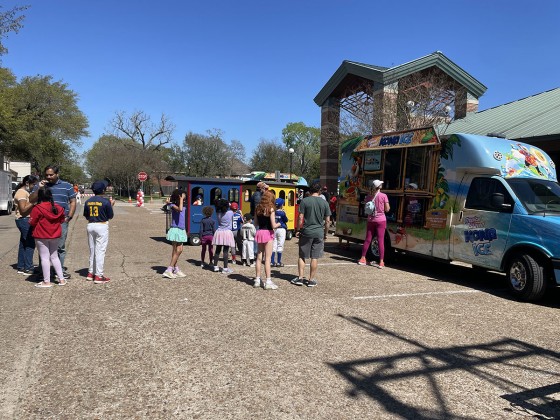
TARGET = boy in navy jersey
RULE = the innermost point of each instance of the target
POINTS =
(98, 210)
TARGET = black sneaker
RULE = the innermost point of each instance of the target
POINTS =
(298, 282)
(311, 283)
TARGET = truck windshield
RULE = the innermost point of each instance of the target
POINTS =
(537, 195)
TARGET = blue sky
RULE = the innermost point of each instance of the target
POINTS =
(251, 67)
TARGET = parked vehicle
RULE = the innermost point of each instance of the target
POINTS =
(6, 196)
(490, 202)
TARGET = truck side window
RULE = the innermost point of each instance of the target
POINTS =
(480, 195)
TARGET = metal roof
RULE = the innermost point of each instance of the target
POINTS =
(386, 76)
(534, 116)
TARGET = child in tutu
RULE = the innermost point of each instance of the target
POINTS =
(176, 234)
(223, 237)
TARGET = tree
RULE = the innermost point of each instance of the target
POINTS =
(270, 156)
(45, 122)
(208, 155)
(139, 128)
(10, 22)
(117, 159)
(306, 142)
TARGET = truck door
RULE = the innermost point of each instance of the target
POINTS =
(480, 228)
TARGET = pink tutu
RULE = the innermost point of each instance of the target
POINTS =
(264, 236)
(223, 237)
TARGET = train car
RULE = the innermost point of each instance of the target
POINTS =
(203, 192)
(291, 193)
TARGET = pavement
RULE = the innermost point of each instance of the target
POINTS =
(416, 340)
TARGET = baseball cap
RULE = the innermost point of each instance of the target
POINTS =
(98, 187)
(377, 183)
(279, 202)
(234, 206)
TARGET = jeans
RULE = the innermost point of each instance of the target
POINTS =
(62, 244)
(26, 244)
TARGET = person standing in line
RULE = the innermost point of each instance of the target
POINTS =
(237, 222)
(176, 234)
(207, 229)
(248, 233)
(311, 229)
(376, 224)
(46, 220)
(98, 210)
(332, 205)
(63, 195)
(266, 222)
(223, 237)
(279, 234)
(254, 202)
(325, 193)
(24, 206)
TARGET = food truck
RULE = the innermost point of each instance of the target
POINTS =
(490, 202)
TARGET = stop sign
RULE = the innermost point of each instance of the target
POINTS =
(142, 176)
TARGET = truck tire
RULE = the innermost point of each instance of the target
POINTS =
(373, 251)
(525, 277)
(194, 240)
(289, 235)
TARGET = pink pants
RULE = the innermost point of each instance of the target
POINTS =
(48, 253)
(379, 229)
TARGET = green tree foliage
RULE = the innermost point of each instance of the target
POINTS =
(41, 120)
(270, 156)
(117, 159)
(306, 142)
(208, 155)
(10, 21)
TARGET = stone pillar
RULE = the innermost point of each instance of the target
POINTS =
(460, 103)
(330, 142)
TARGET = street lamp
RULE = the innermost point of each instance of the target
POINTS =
(291, 152)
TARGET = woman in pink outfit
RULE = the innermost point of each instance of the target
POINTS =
(377, 222)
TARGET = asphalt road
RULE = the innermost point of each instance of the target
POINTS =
(417, 340)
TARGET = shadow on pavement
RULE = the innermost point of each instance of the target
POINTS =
(426, 365)
(160, 239)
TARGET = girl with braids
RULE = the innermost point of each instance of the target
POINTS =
(266, 222)
(223, 237)
(46, 219)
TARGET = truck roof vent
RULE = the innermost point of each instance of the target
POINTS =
(500, 135)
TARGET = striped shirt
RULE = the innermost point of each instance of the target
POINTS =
(62, 192)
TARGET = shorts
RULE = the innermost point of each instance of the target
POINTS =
(264, 236)
(311, 247)
(176, 235)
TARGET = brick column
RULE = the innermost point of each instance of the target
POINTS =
(330, 142)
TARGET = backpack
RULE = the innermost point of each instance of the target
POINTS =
(369, 209)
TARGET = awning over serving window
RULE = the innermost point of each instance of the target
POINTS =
(409, 138)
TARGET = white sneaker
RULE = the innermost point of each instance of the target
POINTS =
(216, 268)
(257, 282)
(168, 274)
(179, 273)
(227, 271)
(269, 285)
(252, 265)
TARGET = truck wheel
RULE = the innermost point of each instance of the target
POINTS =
(289, 235)
(525, 277)
(194, 240)
(373, 251)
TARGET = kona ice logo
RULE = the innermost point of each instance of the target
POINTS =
(480, 237)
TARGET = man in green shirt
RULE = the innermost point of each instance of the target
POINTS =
(311, 229)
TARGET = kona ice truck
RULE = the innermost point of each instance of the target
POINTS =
(490, 202)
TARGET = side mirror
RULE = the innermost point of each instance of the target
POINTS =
(498, 202)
